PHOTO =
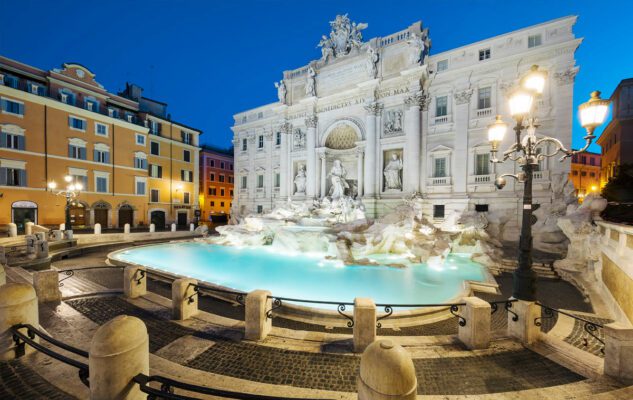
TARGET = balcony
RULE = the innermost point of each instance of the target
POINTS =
(484, 112)
(481, 179)
(260, 192)
(439, 181)
(441, 120)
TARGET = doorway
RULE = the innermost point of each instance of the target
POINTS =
(126, 215)
(23, 212)
(78, 214)
(101, 209)
(182, 220)
(158, 219)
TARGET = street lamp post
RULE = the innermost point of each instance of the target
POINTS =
(525, 151)
(72, 191)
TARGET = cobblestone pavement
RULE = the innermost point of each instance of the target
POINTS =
(18, 381)
(580, 338)
(473, 374)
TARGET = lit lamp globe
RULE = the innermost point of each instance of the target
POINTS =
(78, 187)
(68, 178)
(534, 80)
(496, 132)
(52, 185)
(71, 188)
(521, 103)
(594, 112)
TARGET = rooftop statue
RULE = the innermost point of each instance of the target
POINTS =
(344, 36)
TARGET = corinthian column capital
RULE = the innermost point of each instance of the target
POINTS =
(373, 108)
(311, 121)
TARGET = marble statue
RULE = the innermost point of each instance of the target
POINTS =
(311, 82)
(419, 44)
(300, 180)
(344, 37)
(299, 141)
(281, 91)
(393, 122)
(337, 178)
(372, 61)
(392, 173)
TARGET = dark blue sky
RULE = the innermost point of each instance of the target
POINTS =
(211, 59)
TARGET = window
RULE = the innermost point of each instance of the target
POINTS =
(244, 144)
(592, 161)
(212, 204)
(484, 96)
(154, 195)
(230, 179)
(77, 123)
(212, 191)
(278, 139)
(113, 112)
(574, 173)
(154, 127)
(221, 178)
(244, 119)
(36, 89)
(140, 162)
(212, 177)
(484, 54)
(12, 141)
(154, 148)
(482, 164)
(231, 167)
(222, 192)
(260, 115)
(186, 137)
(438, 211)
(101, 129)
(81, 179)
(13, 176)
(155, 171)
(231, 192)
(91, 105)
(244, 182)
(260, 209)
(534, 40)
(11, 81)
(129, 117)
(277, 180)
(76, 152)
(140, 187)
(102, 156)
(441, 106)
(221, 164)
(186, 155)
(185, 197)
(221, 204)
(12, 107)
(442, 65)
(101, 184)
(260, 181)
(439, 167)
(260, 142)
(186, 175)
(481, 207)
(140, 139)
(212, 163)
(583, 173)
(592, 174)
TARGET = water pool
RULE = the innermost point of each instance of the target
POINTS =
(307, 276)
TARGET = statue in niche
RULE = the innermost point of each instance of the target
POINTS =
(337, 178)
(299, 139)
(393, 121)
(419, 44)
(392, 173)
(372, 61)
(311, 82)
(300, 180)
(281, 91)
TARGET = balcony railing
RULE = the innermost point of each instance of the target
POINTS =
(439, 181)
(481, 179)
(484, 112)
(441, 120)
(540, 175)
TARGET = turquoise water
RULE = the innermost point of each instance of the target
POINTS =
(307, 276)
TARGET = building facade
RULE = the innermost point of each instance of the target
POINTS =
(136, 166)
(585, 173)
(617, 138)
(393, 120)
(216, 183)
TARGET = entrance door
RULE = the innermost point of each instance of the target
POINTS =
(78, 215)
(158, 219)
(182, 220)
(23, 212)
(126, 216)
(101, 217)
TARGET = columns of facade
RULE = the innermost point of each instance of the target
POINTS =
(412, 148)
(460, 155)
(283, 163)
(563, 96)
(311, 123)
(323, 176)
(373, 109)
(424, 148)
(360, 156)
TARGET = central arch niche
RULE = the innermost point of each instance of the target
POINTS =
(342, 137)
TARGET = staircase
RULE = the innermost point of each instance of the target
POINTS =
(542, 269)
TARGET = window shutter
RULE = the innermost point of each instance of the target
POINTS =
(160, 171)
(107, 157)
(3, 176)
(3, 139)
(95, 155)
(182, 174)
(182, 136)
(21, 143)
(144, 164)
(70, 151)
(160, 127)
(82, 153)
(21, 109)
(22, 177)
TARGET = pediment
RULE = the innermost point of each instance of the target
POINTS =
(80, 73)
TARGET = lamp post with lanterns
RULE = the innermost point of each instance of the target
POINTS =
(72, 191)
(527, 151)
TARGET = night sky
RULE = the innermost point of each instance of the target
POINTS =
(211, 59)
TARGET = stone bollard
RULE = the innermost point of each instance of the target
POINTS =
(62, 227)
(47, 286)
(13, 229)
(134, 282)
(3, 275)
(126, 228)
(184, 299)
(476, 333)
(257, 324)
(119, 351)
(41, 249)
(31, 242)
(28, 228)
(386, 372)
(57, 235)
(524, 329)
(364, 323)
(618, 352)
(173, 227)
(41, 236)
(97, 229)
(152, 228)
(68, 235)
(191, 227)
(18, 305)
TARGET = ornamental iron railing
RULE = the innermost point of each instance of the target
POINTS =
(590, 327)
(71, 272)
(277, 302)
(507, 305)
(453, 308)
(202, 288)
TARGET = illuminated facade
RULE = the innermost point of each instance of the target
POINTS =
(216, 182)
(585, 173)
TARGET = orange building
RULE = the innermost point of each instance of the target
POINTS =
(135, 165)
(216, 183)
(585, 173)
(617, 138)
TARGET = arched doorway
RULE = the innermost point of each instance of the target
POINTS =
(126, 215)
(101, 209)
(78, 214)
(22, 212)
(157, 218)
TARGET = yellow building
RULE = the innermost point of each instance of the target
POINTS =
(135, 165)
(585, 173)
(216, 183)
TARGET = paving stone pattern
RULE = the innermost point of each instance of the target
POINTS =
(17, 381)
(579, 336)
